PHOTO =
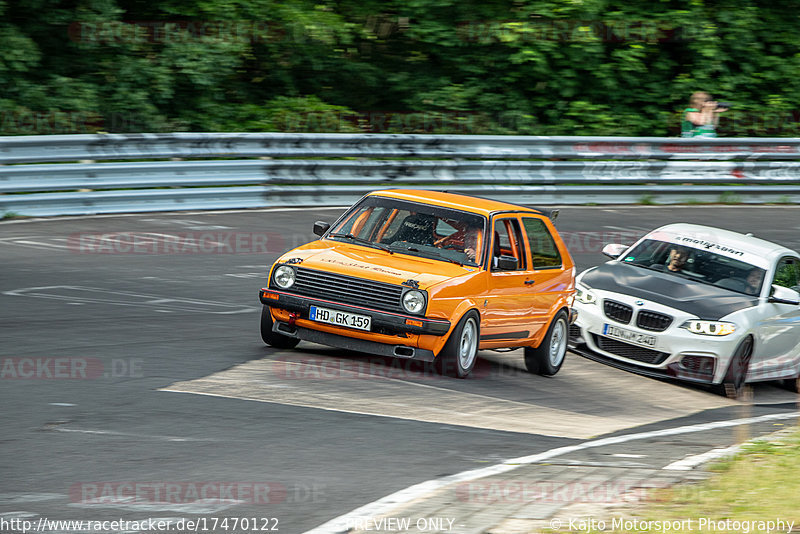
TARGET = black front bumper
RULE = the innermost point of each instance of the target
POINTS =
(673, 371)
(382, 322)
(351, 343)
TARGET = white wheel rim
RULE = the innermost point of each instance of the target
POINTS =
(558, 343)
(467, 349)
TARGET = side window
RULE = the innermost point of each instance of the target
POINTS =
(544, 253)
(788, 273)
(508, 241)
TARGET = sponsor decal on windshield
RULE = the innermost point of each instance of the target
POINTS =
(709, 245)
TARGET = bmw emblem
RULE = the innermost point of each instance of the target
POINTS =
(640, 303)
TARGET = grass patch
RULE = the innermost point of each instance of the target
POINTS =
(729, 197)
(647, 200)
(761, 483)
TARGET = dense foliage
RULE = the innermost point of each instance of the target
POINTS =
(540, 67)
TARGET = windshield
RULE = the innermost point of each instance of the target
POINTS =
(416, 229)
(697, 264)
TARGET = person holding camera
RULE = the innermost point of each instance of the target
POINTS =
(700, 119)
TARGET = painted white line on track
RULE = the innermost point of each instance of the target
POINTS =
(690, 462)
(198, 507)
(129, 434)
(17, 498)
(94, 295)
(386, 504)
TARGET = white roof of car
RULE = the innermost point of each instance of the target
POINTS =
(743, 247)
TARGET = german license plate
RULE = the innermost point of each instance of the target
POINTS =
(629, 336)
(340, 318)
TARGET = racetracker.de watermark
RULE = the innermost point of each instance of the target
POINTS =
(69, 368)
(554, 491)
(194, 492)
(574, 31)
(313, 367)
(176, 243)
(49, 122)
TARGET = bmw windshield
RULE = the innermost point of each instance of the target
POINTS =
(413, 228)
(697, 264)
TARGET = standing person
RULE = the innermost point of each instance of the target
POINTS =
(700, 119)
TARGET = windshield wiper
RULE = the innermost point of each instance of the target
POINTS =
(646, 267)
(433, 254)
(362, 241)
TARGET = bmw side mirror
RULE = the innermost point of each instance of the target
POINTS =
(506, 263)
(614, 250)
(784, 295)
(320, 227)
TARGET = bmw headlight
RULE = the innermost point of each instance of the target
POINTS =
(414, 301)
(584, 296)
(709, 328)
(284, 277)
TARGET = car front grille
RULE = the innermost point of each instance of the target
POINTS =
(347, 290)
(574, 331)
(632, 352)
(653, 321)
(617, 311)
(702, 365)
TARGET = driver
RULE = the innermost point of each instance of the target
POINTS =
(471, 239)
(677, 259)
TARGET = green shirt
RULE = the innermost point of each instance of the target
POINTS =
(689, 129)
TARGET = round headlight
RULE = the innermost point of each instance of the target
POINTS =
(284, 277)
(414, 301)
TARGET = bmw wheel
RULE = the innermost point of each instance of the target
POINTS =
(792, 384)
(733, 384)
(548, 357)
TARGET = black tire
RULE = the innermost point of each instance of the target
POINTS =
(733, 384)
(457, 358)
(792, 384)
(273, 339)
(549, 356)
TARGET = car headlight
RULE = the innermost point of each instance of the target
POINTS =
(585, 296)
(709, 328)
(284, 277)
(414, 301)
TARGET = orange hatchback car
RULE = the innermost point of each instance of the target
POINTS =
(429, 276)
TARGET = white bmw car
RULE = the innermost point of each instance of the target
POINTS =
(695, 303)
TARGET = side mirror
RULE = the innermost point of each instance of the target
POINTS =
(784, 295)
(506, 263)
(320, 227)
(614, 250)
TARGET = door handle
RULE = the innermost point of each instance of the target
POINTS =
(529, 282)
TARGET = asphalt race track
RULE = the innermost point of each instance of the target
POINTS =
(131, 359)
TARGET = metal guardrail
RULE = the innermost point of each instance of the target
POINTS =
(533, 170)
(33, 149)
